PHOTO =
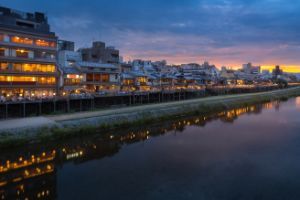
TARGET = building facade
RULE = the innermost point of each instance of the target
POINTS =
(27, 55)
(71, 79)
(92, 77)
(100, 77)
(100, 53)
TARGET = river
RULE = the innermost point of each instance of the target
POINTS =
(247, 153)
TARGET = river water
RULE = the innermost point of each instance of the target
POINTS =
(247, 153)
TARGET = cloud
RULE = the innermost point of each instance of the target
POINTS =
(224, 31)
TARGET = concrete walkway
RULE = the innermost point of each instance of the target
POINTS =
(159, 106)
(25, 123)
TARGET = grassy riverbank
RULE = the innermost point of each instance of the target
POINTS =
(88, 123)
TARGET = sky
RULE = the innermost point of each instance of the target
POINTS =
(223, 32)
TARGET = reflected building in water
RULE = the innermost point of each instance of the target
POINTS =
(31, 173)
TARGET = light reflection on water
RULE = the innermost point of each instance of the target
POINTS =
(246, 153)
(298, 102)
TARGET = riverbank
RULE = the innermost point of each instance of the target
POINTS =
(20, 131)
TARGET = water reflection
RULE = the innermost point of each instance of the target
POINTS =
(31, 172)
(298, 102)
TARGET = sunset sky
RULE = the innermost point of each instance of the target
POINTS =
(223, 32)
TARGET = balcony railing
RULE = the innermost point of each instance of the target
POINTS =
(52, 60)
(12, 71)
(101, 82)
(23, 83)
(21, 45)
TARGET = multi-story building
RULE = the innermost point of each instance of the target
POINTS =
(90, 76)
(27, 55)
(135, 81)
(71, 79)
(64, 45)
(277, 72)
(100, 53)
(250, 69)
(100, 77)
(202, 74)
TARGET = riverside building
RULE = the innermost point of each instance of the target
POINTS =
(27, 55)
(89, 76)
(100, 53)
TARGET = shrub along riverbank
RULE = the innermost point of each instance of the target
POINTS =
(65, 126)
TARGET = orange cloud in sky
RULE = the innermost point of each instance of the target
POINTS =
(287, 68)
(181, 60)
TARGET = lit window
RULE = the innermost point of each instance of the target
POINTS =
(42, 43)
(21, 53)
(3, 66)
(22, 40)
(2, 52)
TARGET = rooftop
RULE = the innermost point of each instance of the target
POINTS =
(97, 65)
(37, 22)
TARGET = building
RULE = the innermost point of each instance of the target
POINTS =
(64, 45)
(100, 53)
(100, 77)
(88, 76)
(202, 74)
(126, 67)
(135, 81)
(27, 55)
(277, 72)
(71, 79)
(228, 77)
(250, 69)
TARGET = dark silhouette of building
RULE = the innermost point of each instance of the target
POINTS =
(100, 53)
(64, 45)
(277, 71)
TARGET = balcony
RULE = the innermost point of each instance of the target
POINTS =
(26, 59)
(24, 41)
(21, 45)
(26, 84)
(100, 83)
(19, 72)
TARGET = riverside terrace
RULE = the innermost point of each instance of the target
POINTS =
(69, 104)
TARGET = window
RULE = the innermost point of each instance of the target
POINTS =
(17, 67)
(128, 82)
(42, 43)
(44, 55)
(105, 78)
(53, 44)
(97, 78)
(142, 79)
(25, 25)
(2, 52)
(4, 38)
(89, 77)
(3, 66)
(22, 54)
(23, 79)
(21, 40)
(50, 68)
(46, 80)
(33, 67)
(5, 78)
(29, 68)
(73, 80)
